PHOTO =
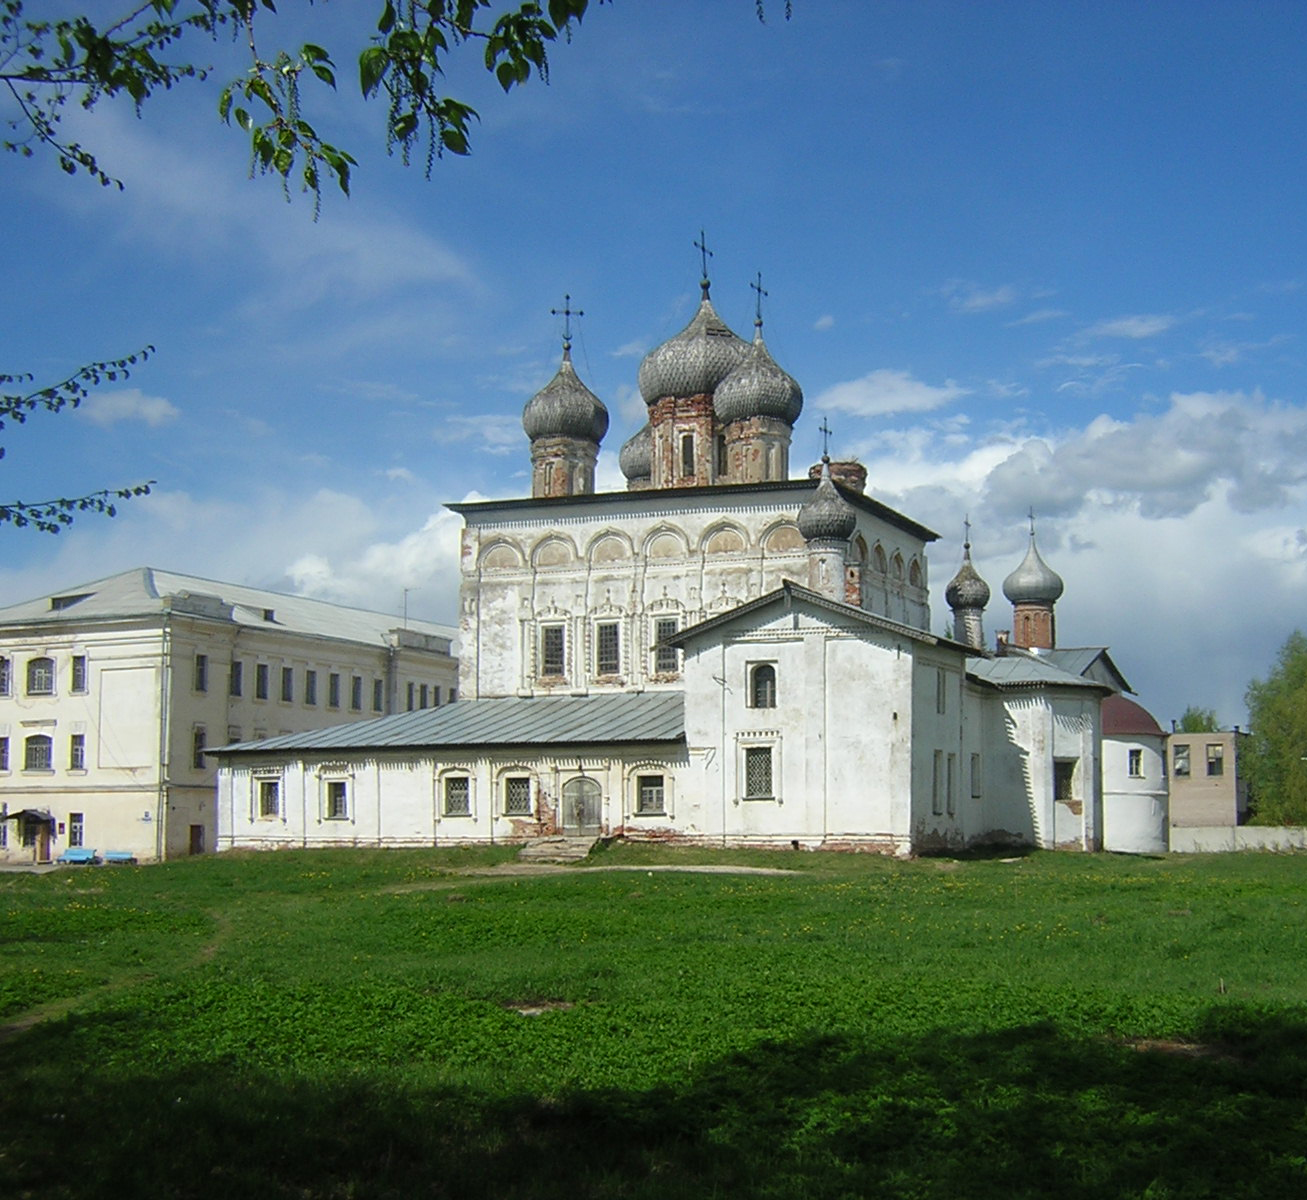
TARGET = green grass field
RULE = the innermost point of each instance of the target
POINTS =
(413, 1024)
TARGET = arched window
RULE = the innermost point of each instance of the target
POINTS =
(762, 686)
(38, 753)
(40, 677)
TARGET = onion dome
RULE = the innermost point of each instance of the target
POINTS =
(636, 457)
(966, 589)
(1034, 581)
(565, 407)
(826, 515)
(757, 387)
(695, 361)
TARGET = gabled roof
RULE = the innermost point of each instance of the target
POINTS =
(1027, 671)
(147, 591)
(790, 593)
(1091, 661)
(514, 721)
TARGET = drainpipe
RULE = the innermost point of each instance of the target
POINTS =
(165, 736)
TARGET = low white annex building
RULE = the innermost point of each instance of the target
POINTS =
(719, 653)
(112, 691)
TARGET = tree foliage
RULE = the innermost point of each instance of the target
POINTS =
(1273, 758)
(50, 516)
(1198, 720)
(48, 64)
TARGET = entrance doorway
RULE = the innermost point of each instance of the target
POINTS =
(582, 801)
(197, 839)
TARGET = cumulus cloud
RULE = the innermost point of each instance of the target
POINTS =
(128, 404)
(1135, 327)
(882, 392)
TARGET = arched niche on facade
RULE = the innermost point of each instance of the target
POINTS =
(610, 547)
(666, 543)
(501, 556)
(783, 538)
(859, 549)
(915, 576)
(896, 567)
(725, 539)
(878, 558)
(554, 551)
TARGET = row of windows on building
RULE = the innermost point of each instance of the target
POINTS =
(75, 827)
(39, 752)
(650, 794)
(40, 675)
(608, 648)
(1180, 760)
(419, 695)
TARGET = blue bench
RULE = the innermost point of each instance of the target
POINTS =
(120, 856)
(78, 854)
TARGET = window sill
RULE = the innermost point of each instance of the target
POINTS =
(662, 812)
(38, 771)
(456, 816)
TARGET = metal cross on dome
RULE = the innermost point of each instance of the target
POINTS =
(825, 437)
(704, 254)
(762, 291)
(567, 312)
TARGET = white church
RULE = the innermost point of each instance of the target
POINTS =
(719, 654)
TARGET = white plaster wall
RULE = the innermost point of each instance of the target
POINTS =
(1212, 839)
(1134, 806)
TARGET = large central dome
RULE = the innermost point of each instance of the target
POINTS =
(695, 361)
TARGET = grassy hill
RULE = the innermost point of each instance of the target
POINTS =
(371, 1024)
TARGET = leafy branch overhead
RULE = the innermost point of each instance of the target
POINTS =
(50, 516)
(47, 65)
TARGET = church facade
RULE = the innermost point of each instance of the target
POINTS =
(719, 653)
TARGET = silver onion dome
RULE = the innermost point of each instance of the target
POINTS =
(757, 387)
(695, 361)
(826, 515)
(636, 456)
(565, 407)
(1034, 581)
(966, 589)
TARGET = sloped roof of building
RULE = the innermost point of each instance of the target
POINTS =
(1025, 671)
(148, 591)
(1123, 718)
(513, 721)
(790, 593)
(1087, 660)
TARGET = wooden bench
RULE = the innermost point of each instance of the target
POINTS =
(125, 857)
(78, 854)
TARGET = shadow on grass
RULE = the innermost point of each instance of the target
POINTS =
(1024, 1112)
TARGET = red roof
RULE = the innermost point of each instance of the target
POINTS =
(1122, 717)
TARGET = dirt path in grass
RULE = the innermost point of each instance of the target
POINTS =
(452, 875)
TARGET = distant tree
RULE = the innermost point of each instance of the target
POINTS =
(51, 515)
(1198, 720)
(1273, 757)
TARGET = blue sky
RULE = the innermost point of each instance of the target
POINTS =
(1017, 255)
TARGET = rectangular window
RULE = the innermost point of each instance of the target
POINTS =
(517, 796)
(435, 696)
(288, 684)
(453, 695)
(458, 796)
(77, 829)
(649, 795)
(941, 692)
(236, 677)
(201, 672)
(950, 786)
(78, 681)
(423, 696)
(977, 780)
(77, 752)
(378, 695)
(757, 773)
(5, 677)
(261, 681)
(233, 734)
(553, 650)
(336, 800)
(667, 659)
(356, 693)
(1180, 760)
(4, 826)
(4, 754)
(40, 677)
(1064, 779)
(269, 793)
(333, 690)
(310, 687)
(412, 692)
(198, 743)
(37, 753)
(608, 648)
(1215, 760)
(937, 783)
(721, 457)
(1135, 763)
(687, 454)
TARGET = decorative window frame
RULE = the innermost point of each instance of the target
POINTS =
(613, 623)
(329, 776)
(31, 746)
(546, 625)
(769, 739)
(517, 771)
(258, 780)
(443, 776)
(40, 680)
(642, 771)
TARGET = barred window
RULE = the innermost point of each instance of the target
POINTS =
(762, 686)
(40, 677)
(37, 753)
(517, 796)
(458, 796)
(336, 800)
(757, 773)
(269, 794)
(649, 795)
(608, 649)
(667, 659)
(288, 684)
(310, 687)
(78, 680)
(77, 752)
(553, 650)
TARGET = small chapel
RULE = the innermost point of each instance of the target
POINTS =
(719, 653)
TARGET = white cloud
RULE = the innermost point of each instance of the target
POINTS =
(633, 349)
(823, 323)
(400, 475)
(968, 297)
(882, 392)
(129, 404)
(496, 434)
(1039, 316)
(1135, 327)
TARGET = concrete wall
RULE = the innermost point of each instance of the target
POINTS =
(1196, 839)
